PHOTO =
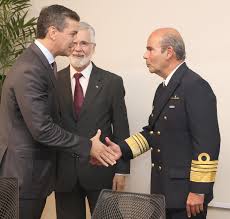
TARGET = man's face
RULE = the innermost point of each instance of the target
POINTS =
(65, 38)
(155, 59)
(83, 50)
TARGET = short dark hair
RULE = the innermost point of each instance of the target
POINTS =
(54, 15)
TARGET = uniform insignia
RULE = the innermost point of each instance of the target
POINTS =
(172, 107)
(138, 144)
(175, 97)
(203, 170)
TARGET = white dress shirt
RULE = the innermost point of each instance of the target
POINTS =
(166, 81)
(84, 80)
(45, 51)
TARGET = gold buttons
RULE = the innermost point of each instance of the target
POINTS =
(151, 132)
(159, 168)
(158, 150)
(153, 164)
(165, 117)
(151, 149)
(158, 133)
(151, 114)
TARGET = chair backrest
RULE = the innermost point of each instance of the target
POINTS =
(127, 205)
(9, 198)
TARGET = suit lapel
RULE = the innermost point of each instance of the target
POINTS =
(65, 88)
(94, 87)
(49, 69)
(45, 63)
(163, 99)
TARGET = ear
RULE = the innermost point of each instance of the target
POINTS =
(52, 32)
(94, 46)
(170, 52)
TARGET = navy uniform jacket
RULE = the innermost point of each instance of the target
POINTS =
(184, 137)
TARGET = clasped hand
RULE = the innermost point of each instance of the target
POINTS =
(102, 154)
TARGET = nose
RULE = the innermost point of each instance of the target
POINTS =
(146, 54)
(77, 46)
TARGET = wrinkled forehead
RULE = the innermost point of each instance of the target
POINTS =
(82, 35)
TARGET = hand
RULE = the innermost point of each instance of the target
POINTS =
(95, 162)
(114, 147)
(101, 152)
(118, 182)
(194, 204)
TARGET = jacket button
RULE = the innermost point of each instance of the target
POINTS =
(151, 132)
(151, 114)
(153, 164)
(158, 150)
(158, 133)
(159, 168)
(75, 155)
(165, 118)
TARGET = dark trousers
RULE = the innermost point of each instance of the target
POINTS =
(71, 205)
(31, 208)
(182, 214)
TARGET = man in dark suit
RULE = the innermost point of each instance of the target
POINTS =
(103, 108)
(29, 113)
(182, 133)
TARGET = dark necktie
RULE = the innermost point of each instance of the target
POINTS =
(78, 94)
(54, 67)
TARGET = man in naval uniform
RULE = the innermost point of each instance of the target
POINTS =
(182, 132)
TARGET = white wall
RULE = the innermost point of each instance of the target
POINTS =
(122, 27)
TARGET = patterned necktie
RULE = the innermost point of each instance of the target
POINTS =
(78, 94)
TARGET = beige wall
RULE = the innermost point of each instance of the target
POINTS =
(122, 27)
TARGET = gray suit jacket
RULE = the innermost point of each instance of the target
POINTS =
(29, 130)
(103, 108)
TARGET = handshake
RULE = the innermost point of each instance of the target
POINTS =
(100, 154)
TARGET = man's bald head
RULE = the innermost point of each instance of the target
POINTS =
(170, 37)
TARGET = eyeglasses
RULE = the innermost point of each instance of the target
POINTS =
(83, 44)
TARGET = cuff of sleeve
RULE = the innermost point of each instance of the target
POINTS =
(201, 188)
(126, 151)
(121, 174)
(84, 147)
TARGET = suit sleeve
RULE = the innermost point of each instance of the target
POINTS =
(120, 121)
(32, 96)
(203, 126)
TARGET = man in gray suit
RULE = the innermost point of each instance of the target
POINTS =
(103, 108)
(29, 113)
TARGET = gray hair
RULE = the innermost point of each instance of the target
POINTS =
(89, 28)
(176, 42)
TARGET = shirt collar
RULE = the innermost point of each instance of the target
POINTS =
(86, 72)
(45, 51)
(166, 81)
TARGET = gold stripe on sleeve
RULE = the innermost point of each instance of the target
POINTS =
(203, 170)
(138, 144)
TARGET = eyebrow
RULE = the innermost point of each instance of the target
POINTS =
(149, 48)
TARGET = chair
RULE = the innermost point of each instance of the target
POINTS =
(9, 198)
(127, 205)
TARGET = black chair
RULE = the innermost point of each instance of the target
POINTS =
(9, 198)
(127, 205)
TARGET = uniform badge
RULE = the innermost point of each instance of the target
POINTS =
(175, 97)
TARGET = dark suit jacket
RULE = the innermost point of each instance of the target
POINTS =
(103, 108)
(29, 134)
(184, 135)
